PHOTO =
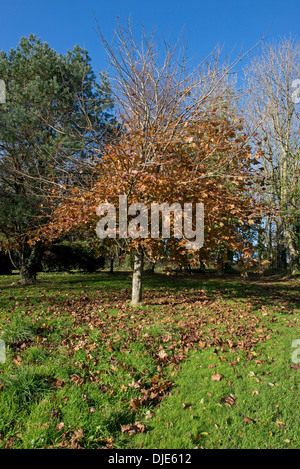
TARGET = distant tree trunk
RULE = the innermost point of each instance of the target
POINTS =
(30, 265)
(202, 266)
(228, 263)
(138, 261)
(270, 257)
(281, 262)
(293, 251)
(111, 270)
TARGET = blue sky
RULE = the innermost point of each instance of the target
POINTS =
(232, 23)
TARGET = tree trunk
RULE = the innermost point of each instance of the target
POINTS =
(30, 265)
(138, 259)
(28, 275)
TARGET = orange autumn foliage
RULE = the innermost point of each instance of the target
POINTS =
(207, 159)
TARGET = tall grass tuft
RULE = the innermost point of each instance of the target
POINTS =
(26, 385)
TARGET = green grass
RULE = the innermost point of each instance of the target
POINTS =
(85, 369)
(262, 410)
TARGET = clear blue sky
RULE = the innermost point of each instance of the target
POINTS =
(232, 23)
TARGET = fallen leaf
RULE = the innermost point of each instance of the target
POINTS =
(217, 377)
(229, 399)
(247, 420)
(132, 429)
(135, 403)
(162, 355)
(54, 413)
(78, 434)
(60, 426)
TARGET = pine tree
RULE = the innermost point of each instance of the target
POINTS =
(52, 103)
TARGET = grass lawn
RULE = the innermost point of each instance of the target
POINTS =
(206, 362)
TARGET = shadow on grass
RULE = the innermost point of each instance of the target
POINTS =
(259, 290)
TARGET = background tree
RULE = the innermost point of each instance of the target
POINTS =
(53, 102)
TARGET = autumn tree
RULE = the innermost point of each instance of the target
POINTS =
(175, 146)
